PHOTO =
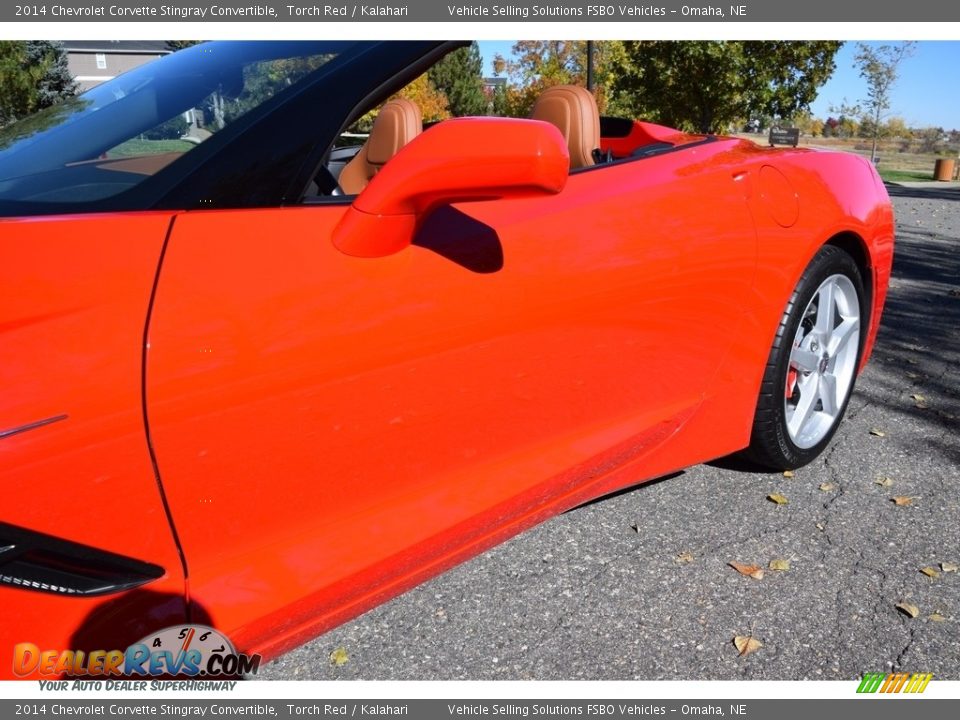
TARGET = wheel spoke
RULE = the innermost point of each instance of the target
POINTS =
(850, 327)
(825, 310)
(808, 400)
(828, 394)
(804, 360)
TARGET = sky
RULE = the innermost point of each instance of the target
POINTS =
(927, 94)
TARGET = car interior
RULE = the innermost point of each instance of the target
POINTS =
(591, 139)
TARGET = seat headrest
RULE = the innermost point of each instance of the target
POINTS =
(574, 110)
(397, 123)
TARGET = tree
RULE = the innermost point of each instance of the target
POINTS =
(33, 76)
(879, 66)
(433, 103)
(57, 83)
(537, 64)
(459, 76)
(706, 85)
(174, 45)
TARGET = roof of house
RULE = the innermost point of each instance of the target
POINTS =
(117, 46)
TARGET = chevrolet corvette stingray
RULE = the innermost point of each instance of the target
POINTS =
(262, 370)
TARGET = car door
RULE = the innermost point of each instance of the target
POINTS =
(88, 560)
(331, 429)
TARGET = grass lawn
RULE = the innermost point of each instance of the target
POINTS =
(903, 175)
(148, 147)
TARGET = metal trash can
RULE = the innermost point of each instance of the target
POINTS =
(943, 169)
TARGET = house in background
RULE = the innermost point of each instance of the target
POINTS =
(92, 62)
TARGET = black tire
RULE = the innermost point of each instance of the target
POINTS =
(770, 442)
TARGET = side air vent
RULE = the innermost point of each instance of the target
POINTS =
(33, 561)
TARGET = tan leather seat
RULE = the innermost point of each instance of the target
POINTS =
(574, 110)
(399, 122)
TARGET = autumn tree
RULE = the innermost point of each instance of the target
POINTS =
(459, 76)
(706, 85)
(535, 65)
(879, 66)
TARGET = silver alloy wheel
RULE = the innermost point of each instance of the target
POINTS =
(823, 361)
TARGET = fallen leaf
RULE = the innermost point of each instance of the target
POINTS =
(930, 572)
(685, 557)
(919, 401)
(828, 487)
(953, 292)
(339, 657)
(878, 433)
(780, 564)
(754, 571)
(902, 500)
(912, 361)
(936, 617)
(908, 609)
(635, 527)
(884, 482)
(949, 567)
(913, 376)
(820, 527)
(788, 473)
(777, 498)
(746, 644)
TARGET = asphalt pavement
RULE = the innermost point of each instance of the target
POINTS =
(638, 585)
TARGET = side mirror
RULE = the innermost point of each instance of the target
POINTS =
(459, 160)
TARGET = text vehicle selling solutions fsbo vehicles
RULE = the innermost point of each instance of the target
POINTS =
(261, 375)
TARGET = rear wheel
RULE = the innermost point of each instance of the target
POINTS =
(812, 365)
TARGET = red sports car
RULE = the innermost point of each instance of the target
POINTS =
(258, 379)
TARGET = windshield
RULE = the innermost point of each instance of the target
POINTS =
(118, 134)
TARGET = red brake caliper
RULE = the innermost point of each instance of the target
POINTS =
(791, 382)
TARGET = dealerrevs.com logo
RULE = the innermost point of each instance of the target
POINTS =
(179, 651)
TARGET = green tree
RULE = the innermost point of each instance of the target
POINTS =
(33, 76)
(879, 66)
(705, 85)
(174, 45)
(56, 84)
(459, 76)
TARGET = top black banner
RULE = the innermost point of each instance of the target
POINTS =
(299, 11)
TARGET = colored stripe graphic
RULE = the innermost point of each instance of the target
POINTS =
(894, 682)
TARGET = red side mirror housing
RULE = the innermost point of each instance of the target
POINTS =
(459, 160)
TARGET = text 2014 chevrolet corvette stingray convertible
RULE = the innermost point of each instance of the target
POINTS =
(258, 379)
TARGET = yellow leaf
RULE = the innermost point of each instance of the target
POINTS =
(908, 609)
(828, 487)
(930, 572)
(902, 500)
(884, 482)
(917, 397)
(878, 433)
(685, 557)
(949, 567)
(936, 617)
(777, 498)
(780, 564)
(339, 657)
(754, 571)
(788, 473)
(746, 644)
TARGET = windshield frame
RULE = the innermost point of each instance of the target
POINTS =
(252, 161)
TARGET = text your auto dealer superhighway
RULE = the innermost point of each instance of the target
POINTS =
(171, 11)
